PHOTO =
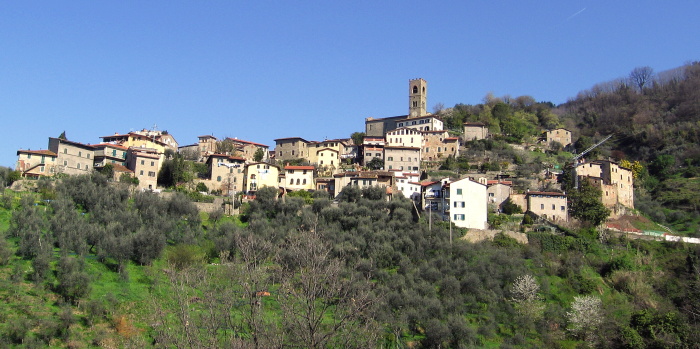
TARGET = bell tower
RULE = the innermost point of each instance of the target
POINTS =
(417, 97)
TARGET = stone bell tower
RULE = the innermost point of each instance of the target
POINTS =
(417, 97)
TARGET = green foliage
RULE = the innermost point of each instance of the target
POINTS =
(306, 195)
(201, 187)
(258, 155)
(375, 164)
(185, 256)
(357, 137)
(551, 243)
(129, 179)
(509, 207)
(585, 204)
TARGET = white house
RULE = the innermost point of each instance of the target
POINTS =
(468, 204)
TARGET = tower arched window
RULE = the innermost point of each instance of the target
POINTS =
(415, 89)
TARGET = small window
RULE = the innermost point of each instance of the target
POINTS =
(153, 163)
(80, 153)
(143, 162)
(563, 208)
(459, 191)
(218, 178)
(541, 206)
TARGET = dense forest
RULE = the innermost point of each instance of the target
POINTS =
(87, 262)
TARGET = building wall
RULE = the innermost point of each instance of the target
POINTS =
(402, 159)
(291, 148)
(474, 132)
(371, 153)
(427, 123)
(560, 135)
(259, 175)
(404, 137)
(549, 205)
(498, 193)
(437, 145)
(468, 208)
(35, 164)
(145, 167)
(72, 158)
(299, 178)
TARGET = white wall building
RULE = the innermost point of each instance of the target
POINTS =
(468, 204)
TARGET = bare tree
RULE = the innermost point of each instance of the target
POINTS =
(640, 76)
(323, 305)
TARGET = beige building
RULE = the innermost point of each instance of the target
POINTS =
(291, 148)
(226, 173)
(327, 161)
(406, 159)
(259, 175)
(474, 131)
(550, 205)
(145, 163)
(206, 145)
(371, 152)
(439, 145)
(135, 140)
(615, 182)
(107, 153)
(160, 136)
(498, 192)
(36, 163)
(297, 178)
(73, 158)
(560, 135)
(364, 179)
(247, 149)
(404, 137)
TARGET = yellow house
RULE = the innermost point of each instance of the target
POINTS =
(260, 174)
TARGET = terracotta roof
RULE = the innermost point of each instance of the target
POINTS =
(549, 193)
(246, 142)
(37, 152)
(73, 143)
(474, 124)
(375, 149)
(110, 145)
(298, 167)
(452, 138)
(428, 183)
(493, 181)
(120, 168)
(206, 136)
(289, 138)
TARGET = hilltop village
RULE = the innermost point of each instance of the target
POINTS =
(395, 153)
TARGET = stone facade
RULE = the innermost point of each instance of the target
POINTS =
(550, 205)
(73, 158)
(405, 159)
(560, 135)
(36, 163)
(474, 131)
(291, 148)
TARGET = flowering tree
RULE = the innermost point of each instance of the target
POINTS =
(585, 316)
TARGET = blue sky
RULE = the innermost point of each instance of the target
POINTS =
(261, 70)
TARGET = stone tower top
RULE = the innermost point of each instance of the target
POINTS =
(417, 97)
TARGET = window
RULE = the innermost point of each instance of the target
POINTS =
(541, 206)
(304, 182)
(151, 174)
(42, 168)
(304, 172)
(141, 173)
(391, 158)
(65, 163)
(553, 207)
(65, 150)
(80, 153)
(114, 152)
(297, 181)
(459, 191)
(29, 156)
(153, 163)
(88, 155)
(291, 181)
(427, 150)
(143, 162)
(563, 208)
(491, 194)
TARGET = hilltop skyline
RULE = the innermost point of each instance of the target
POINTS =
(263, 71)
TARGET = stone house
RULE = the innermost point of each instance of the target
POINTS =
(73, 158)
(615, 182)
(36, 163)
(438, 145)
(107, 153)
(560, 135)
(145, 163)
(226, 173)
(291, 148)
(498, 192)
(473, 131)
(247, 149)
(405, 159)
(550, 205)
